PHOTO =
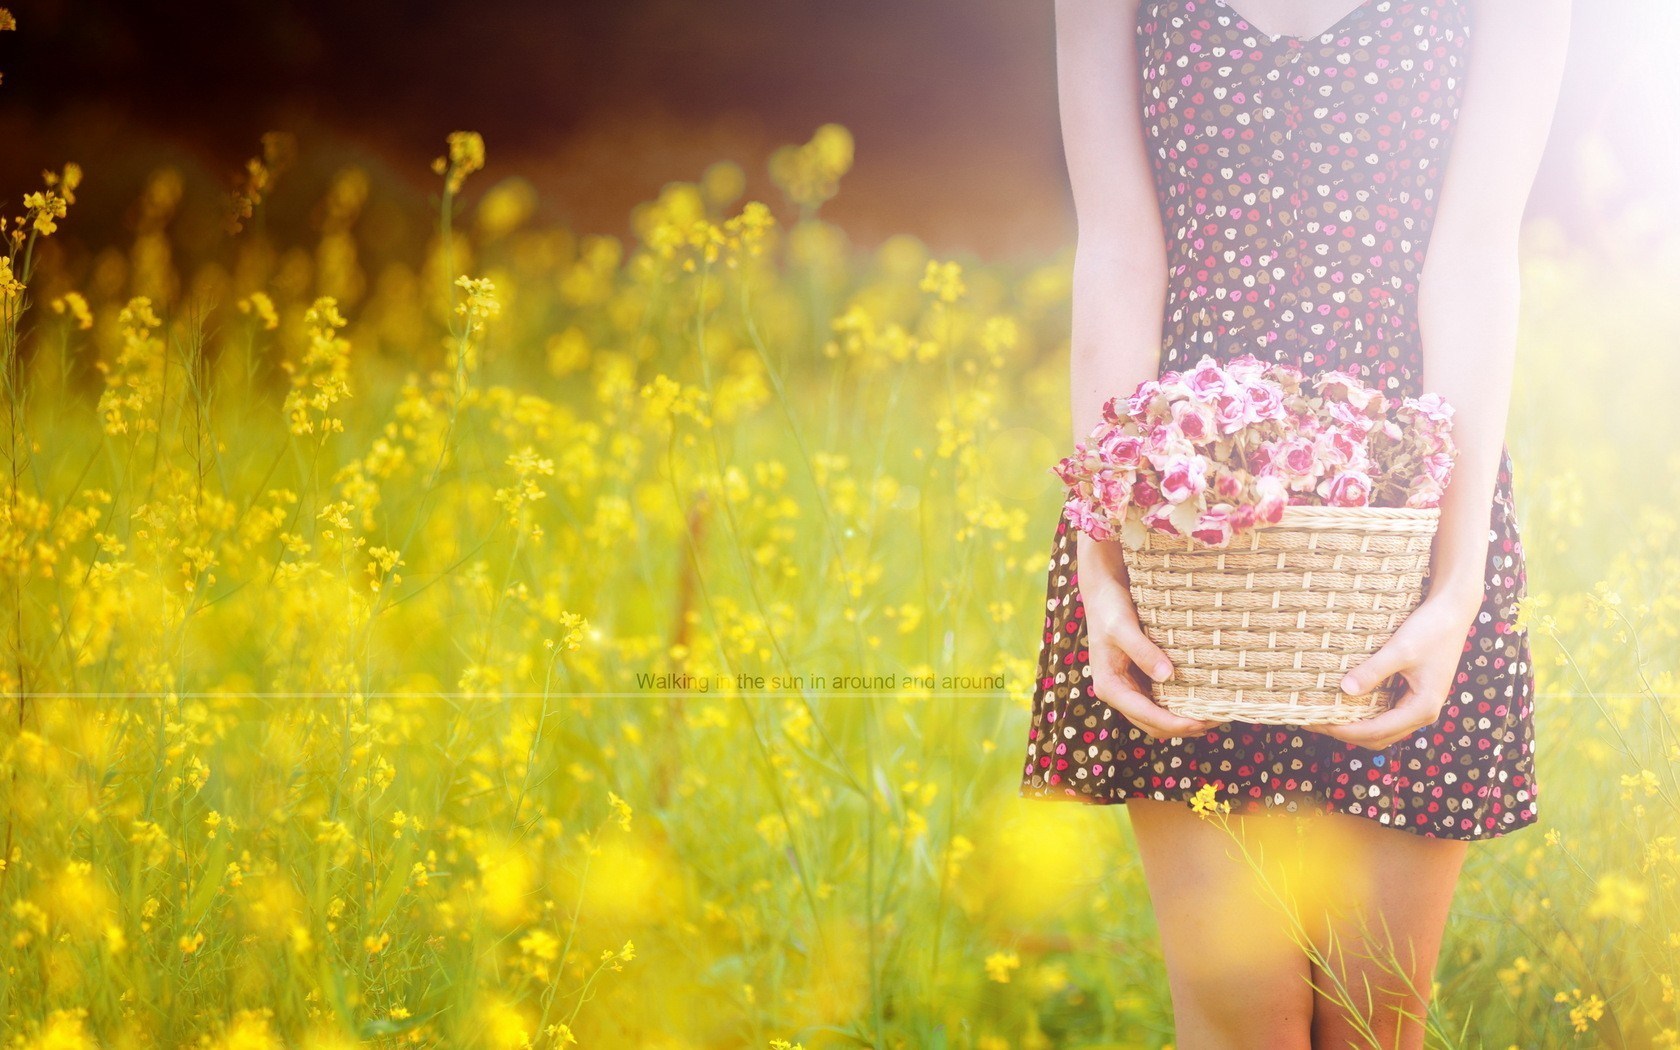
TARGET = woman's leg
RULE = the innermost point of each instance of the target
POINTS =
(1238, 977)
(1388, 896)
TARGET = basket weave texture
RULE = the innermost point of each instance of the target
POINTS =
(1264, 629)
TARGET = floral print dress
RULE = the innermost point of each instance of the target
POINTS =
(1297, 180)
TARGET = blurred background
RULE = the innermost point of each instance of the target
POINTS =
(340, 551)
(952, 102)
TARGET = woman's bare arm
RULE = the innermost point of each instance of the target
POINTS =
(1468, 312)
(1119, 268)
(1469, 289)
(1119, 290)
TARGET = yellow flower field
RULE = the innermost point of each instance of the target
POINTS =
(478, 647)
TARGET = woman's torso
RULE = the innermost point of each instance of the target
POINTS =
(1298, 179)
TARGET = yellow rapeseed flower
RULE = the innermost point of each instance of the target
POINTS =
(10, 287)
(621, 810)
(250, 1030)
(259, 305)
(527, 466)
(810, 173)
(722, 182)
(667, 399)
(1000, 964)
(74, 305)
(466, 155)
(1645, 779)
(503, 1025)
(381, 562)
(1206, 801)
(134, 382)
(944, 281)
(746, 234)
(1585, 1009)
(322, 378)
(541, 944)
(80, 901)
(279, 148)
(481, 303)
(1619, 897)
(64, 1029)
(505, 207)
(505, 880)
(44, 208)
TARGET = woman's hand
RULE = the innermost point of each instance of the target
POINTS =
(1118, 650)
(1425, 650)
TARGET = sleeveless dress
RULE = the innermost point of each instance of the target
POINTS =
(1297, 180)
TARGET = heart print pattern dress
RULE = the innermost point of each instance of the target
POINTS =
(1297, 180)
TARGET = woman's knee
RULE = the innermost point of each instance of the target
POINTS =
(1236, 1001)
(1363, 1007)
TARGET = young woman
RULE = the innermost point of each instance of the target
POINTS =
(1267, 180)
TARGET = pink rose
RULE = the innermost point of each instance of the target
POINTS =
(1433, 406)
(1081, 517)
(1144, 494)
(1338, 446)
(1433, 433)
(1245, 368)
(1439, 467)
(1232, 413)
(1164, 445)
(1424, 492)
(1350, 488)
(1175, 385)
(1265, 401)
(1121, 449)
(1346, 417)
(1194, 421)
(1141, 398)
(1227, 485)
(1207, 380)
(1213, 526)
(1299, 457)
(1159, 518)
(1069, 468)
(1274, 496)
(1184, 478)
(1112, 491)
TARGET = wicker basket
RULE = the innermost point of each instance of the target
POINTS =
(1263, 630)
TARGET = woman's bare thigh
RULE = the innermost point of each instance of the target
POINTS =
(1377, 924)
(1236, 965)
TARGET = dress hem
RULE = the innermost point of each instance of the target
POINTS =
(1047, 793)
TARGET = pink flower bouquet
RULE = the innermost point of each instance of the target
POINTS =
(1215, 451)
